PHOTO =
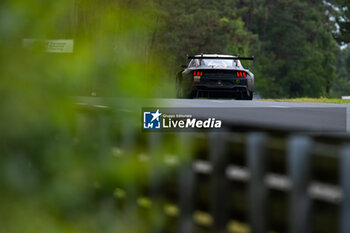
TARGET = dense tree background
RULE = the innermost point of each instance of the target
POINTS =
(203, 26)
(341, 85)
(295, 42)
(340, 11)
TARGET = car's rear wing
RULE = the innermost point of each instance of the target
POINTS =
(221, 58)
(225, 58)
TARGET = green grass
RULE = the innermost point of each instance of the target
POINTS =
(310, 100)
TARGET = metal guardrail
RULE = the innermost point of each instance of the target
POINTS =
(299, 152)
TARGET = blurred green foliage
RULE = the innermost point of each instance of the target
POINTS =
(61, 169)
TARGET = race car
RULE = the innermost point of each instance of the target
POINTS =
(214, 75)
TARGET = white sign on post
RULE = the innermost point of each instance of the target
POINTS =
(50, 46)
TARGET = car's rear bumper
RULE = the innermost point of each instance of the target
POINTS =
(226, 88)
(222, 91)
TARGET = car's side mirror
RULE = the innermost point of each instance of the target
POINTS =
(183, 66)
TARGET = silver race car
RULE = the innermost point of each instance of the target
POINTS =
(218, 76)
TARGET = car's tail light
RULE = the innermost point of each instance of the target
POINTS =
(198, 73)
(197, 76)
(241, 74)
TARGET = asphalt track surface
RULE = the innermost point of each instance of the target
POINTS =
(266, 115)
(292, 116)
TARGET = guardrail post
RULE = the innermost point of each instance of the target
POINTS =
(186, 188)
(345, 183)
(299, 148)
(256, 152)
(219, 182)
(128, 132)
(155, 177)
(155, 169)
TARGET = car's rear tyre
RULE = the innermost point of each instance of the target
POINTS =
(191, 95)
(247, 95)
(250, 95)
